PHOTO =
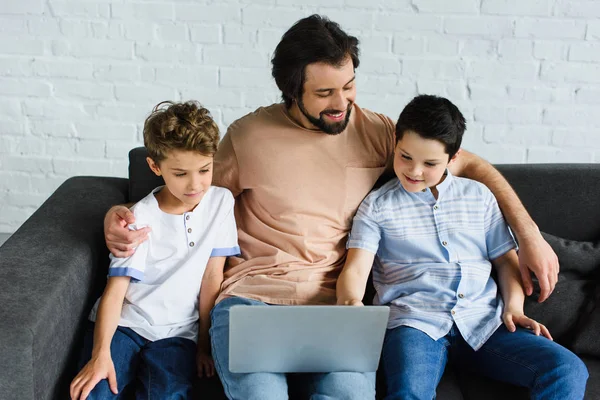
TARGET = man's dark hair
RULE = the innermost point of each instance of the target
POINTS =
(310, 40)
(433, 117)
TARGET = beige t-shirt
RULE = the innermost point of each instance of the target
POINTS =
(296, 193)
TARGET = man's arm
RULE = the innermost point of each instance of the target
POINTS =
(351, 284)
(209, 291)
(512, 294)
(535, 254)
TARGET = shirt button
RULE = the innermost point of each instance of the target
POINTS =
(424, 190)
(189, 230)
(453, 312)
(444, 243)
(462, 296)
(187, 217)
(191, 244)
(435, 207)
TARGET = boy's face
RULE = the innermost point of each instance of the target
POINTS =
(420, 163)
(187, 175)
(329, 93)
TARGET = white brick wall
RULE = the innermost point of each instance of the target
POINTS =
(78, 77)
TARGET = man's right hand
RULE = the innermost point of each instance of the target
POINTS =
(121, 241)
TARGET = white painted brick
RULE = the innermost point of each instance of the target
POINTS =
(205, 33)
(87, 148)
(570, 72)
(587, 52)
(14, 127)
(10, 108)
(119, 168)
(146, 11)
(593, 30)
(172, 32)
(105, 130)
(453, 91)
(62, 69)
(509, 114)
(12, 45)
(374, 43)
(375, 83)
(549, 28)
(442, 46)
(208, 13)
(21, 199)
(26, 163)
(69, 166)
(551, 155)
(578, 8)
(550, 50)
(205, 76)
(116, 72)
(66, 147)
(15, 26)
(477, 48)
(86, 9)
(123, 112)
(495, 70)
(348, 20)
(572, 116)
(213, 98)
(43, 27)
(29, 145)
(524, 135)
(447, 7)
(473, 137)
(391, 5)
(14, 217)
(235, 57)
(52, 129)
(480, 92)
(408, 23)
(169, 53)
(540, 94)
(14, 181)
(410, 46)
(575, 138)
(142, 32)
(431, 68)
(515, 49)
(97, 48)
(391, 106)
(328, 3)
(20, 87)
(46, 183)
(587, 95)
(236, 77)
(501, 154)
(482, 26)
(53, 109)
(23, 7)
(381, 63)
(144, 94)
(119, 149)
(76, 28)
(109, 30)
(84, 90)
(517, 7)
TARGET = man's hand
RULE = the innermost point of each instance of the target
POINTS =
(536, 255)
(121, 241)
(511, 319)
(342, 302)
(95, 370)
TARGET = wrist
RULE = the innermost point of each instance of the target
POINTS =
(526, 230)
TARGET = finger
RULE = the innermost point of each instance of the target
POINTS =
(125, 214)
(526, 278)
(200, 370)
(545, 288)
(137, 236)
(535, 327)
(508, 322)
(212, 370)
(112, 381)
(546, 332)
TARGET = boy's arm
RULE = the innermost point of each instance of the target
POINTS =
(100, 365)
(121, 241)
(352, 282)
(509, 281)
(535, 254)
(209, 290)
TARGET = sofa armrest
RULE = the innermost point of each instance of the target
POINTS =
(51, 271)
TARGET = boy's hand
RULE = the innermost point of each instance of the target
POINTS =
(511, 319)
(121, 241)
(94, 371)
(342, 302)
(205, 363)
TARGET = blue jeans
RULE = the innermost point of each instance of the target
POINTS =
(274, 386)
(414, 363)
(164, 369)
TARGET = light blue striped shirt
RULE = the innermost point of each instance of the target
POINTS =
(432, 266)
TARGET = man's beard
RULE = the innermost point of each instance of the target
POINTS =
(331, 129)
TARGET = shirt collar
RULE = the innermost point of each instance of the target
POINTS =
(442, 187)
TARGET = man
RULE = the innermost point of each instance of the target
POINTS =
(299, 171)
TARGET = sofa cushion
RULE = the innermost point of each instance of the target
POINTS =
(577, 259)
(586, 337)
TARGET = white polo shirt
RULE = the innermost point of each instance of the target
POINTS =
(166, 270)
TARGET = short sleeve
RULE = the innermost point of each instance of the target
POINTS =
(226, 240)
(365, 233)
(226, 169)
(498, 238)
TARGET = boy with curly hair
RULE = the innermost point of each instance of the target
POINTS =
(157, 302)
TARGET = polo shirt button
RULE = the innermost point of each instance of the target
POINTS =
(189, 230)
(191, 244)
(462, 296)
(187, 217)
(444, 243)
(453, 312)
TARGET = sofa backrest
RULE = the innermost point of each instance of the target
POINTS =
(561, 198)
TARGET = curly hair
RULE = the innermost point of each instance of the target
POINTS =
(180, 126)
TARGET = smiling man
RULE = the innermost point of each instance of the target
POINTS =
(299, 170)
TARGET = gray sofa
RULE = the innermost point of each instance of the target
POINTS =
(54, 267)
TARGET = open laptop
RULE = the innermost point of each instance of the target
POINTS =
(306, 338)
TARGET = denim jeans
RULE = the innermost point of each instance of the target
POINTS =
(163, 369)
(414, 363)
(274, 386)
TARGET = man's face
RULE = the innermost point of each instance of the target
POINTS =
(329, 94)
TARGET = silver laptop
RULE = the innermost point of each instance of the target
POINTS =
(306, 338)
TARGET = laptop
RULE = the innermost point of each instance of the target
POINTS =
(306, 338)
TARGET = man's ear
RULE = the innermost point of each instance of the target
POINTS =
(454, 157)
(153, 166)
